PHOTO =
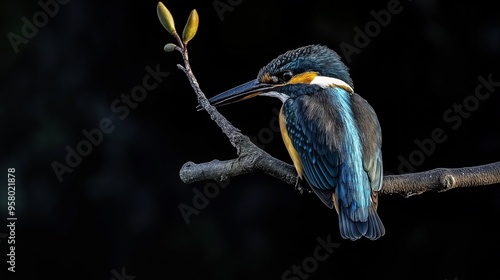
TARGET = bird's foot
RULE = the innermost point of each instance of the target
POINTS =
(300, 188)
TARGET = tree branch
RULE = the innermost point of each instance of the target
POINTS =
(442, 179)
(221, 170)
(252, 159)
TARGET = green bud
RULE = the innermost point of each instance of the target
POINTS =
(170, 47)
(191, 27)
(166, 18)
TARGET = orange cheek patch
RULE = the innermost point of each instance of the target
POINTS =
(303, 78)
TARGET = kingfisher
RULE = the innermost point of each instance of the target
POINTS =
(332, 134)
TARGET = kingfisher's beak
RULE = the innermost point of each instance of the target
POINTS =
(239, 93)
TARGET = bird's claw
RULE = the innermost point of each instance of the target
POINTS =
(299, 188)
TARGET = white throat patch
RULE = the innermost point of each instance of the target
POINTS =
(280, 96)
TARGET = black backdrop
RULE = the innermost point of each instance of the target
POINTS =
(116, 215)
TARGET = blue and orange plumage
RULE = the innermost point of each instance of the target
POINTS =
(332, 134)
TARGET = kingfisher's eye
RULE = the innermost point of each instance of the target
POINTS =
(287, 75)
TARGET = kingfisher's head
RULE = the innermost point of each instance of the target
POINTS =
(290, 73)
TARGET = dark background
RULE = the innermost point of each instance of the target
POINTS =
(118, 209)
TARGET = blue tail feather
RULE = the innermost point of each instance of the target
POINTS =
(371, 229)
(375, 227)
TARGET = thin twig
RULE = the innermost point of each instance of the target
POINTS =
(234, 135)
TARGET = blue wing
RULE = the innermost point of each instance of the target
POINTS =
(318, 130)
(325, 135)
(319, 159)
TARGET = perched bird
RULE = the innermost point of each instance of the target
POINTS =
(331, 133)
